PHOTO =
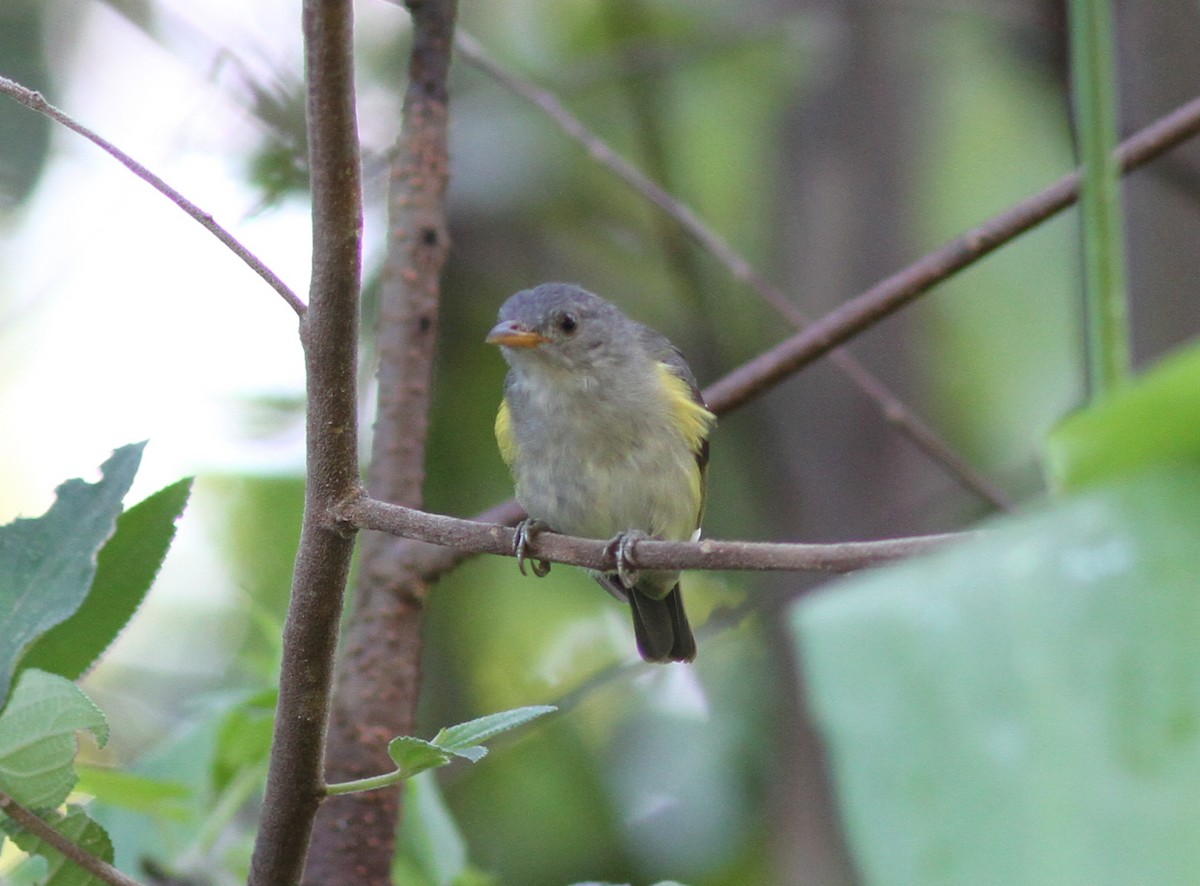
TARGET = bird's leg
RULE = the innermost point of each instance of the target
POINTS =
(621, 549)
(526, 530)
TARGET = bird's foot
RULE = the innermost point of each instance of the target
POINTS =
(526, 531)
(621, 548)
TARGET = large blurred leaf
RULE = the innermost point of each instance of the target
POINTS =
(244, 738)
(125, 569)
(47, 564)
(37, 738)
(1023, 708)
(149, 796)
(1155, 418)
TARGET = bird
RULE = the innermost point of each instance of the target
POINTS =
(606, 434)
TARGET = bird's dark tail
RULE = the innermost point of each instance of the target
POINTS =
(661, 627)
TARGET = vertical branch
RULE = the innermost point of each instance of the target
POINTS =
(379, 676)
(329, 332)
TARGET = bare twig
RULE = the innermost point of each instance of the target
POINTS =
(34, 101)
(888, 296)
(329, 333)
(494, 538)
(44, 831)
(378, 682)
(892, 408)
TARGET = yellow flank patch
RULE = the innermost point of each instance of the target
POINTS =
(504, 435)
(692, 419)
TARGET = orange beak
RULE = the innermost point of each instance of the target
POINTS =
(512, 334)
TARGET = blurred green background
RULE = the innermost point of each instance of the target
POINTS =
(829, 142)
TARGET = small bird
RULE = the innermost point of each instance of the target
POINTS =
(606, 435)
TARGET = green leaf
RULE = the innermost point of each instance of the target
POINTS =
(429, 838)
(412, 755)
(47, 564)
(37, 738)
(464, 739)
(1154, 419)
(126, 567)
(1024, 707)
(244, 737)
(149, 796)
(76, 827)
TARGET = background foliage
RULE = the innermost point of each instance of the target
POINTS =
(830, 142)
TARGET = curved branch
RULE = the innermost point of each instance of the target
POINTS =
(34, 101)
(495, 538)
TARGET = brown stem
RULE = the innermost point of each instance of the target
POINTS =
(378, 679)
(44, 831)
(329, 333)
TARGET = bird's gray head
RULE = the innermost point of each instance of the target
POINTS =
(560, 326)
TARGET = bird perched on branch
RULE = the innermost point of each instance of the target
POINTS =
(606, 434)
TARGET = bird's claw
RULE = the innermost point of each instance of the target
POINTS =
(526, 531)
(621, 549)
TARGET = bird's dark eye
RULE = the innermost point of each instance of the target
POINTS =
(567, 324)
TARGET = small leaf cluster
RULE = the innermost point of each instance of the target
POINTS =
(415, 755)
(69, 582)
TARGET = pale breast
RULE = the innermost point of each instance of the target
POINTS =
(591, 469)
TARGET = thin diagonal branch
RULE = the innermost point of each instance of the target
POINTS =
(44, 831)
(379, 676)
(891, 407)
(34, 101)
(329, 333)
(769, 368)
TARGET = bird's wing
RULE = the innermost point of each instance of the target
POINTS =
(505, 438)
(692, 414)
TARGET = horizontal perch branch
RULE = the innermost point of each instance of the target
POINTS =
(494, 538)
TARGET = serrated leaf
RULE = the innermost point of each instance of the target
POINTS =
(1024, 707)
(412, 755)
(150, 796)
(464, 736)
(77, 827)
(47, 563)
(474, 753)
(126, 568)
(37, 738)
(1154, 419)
